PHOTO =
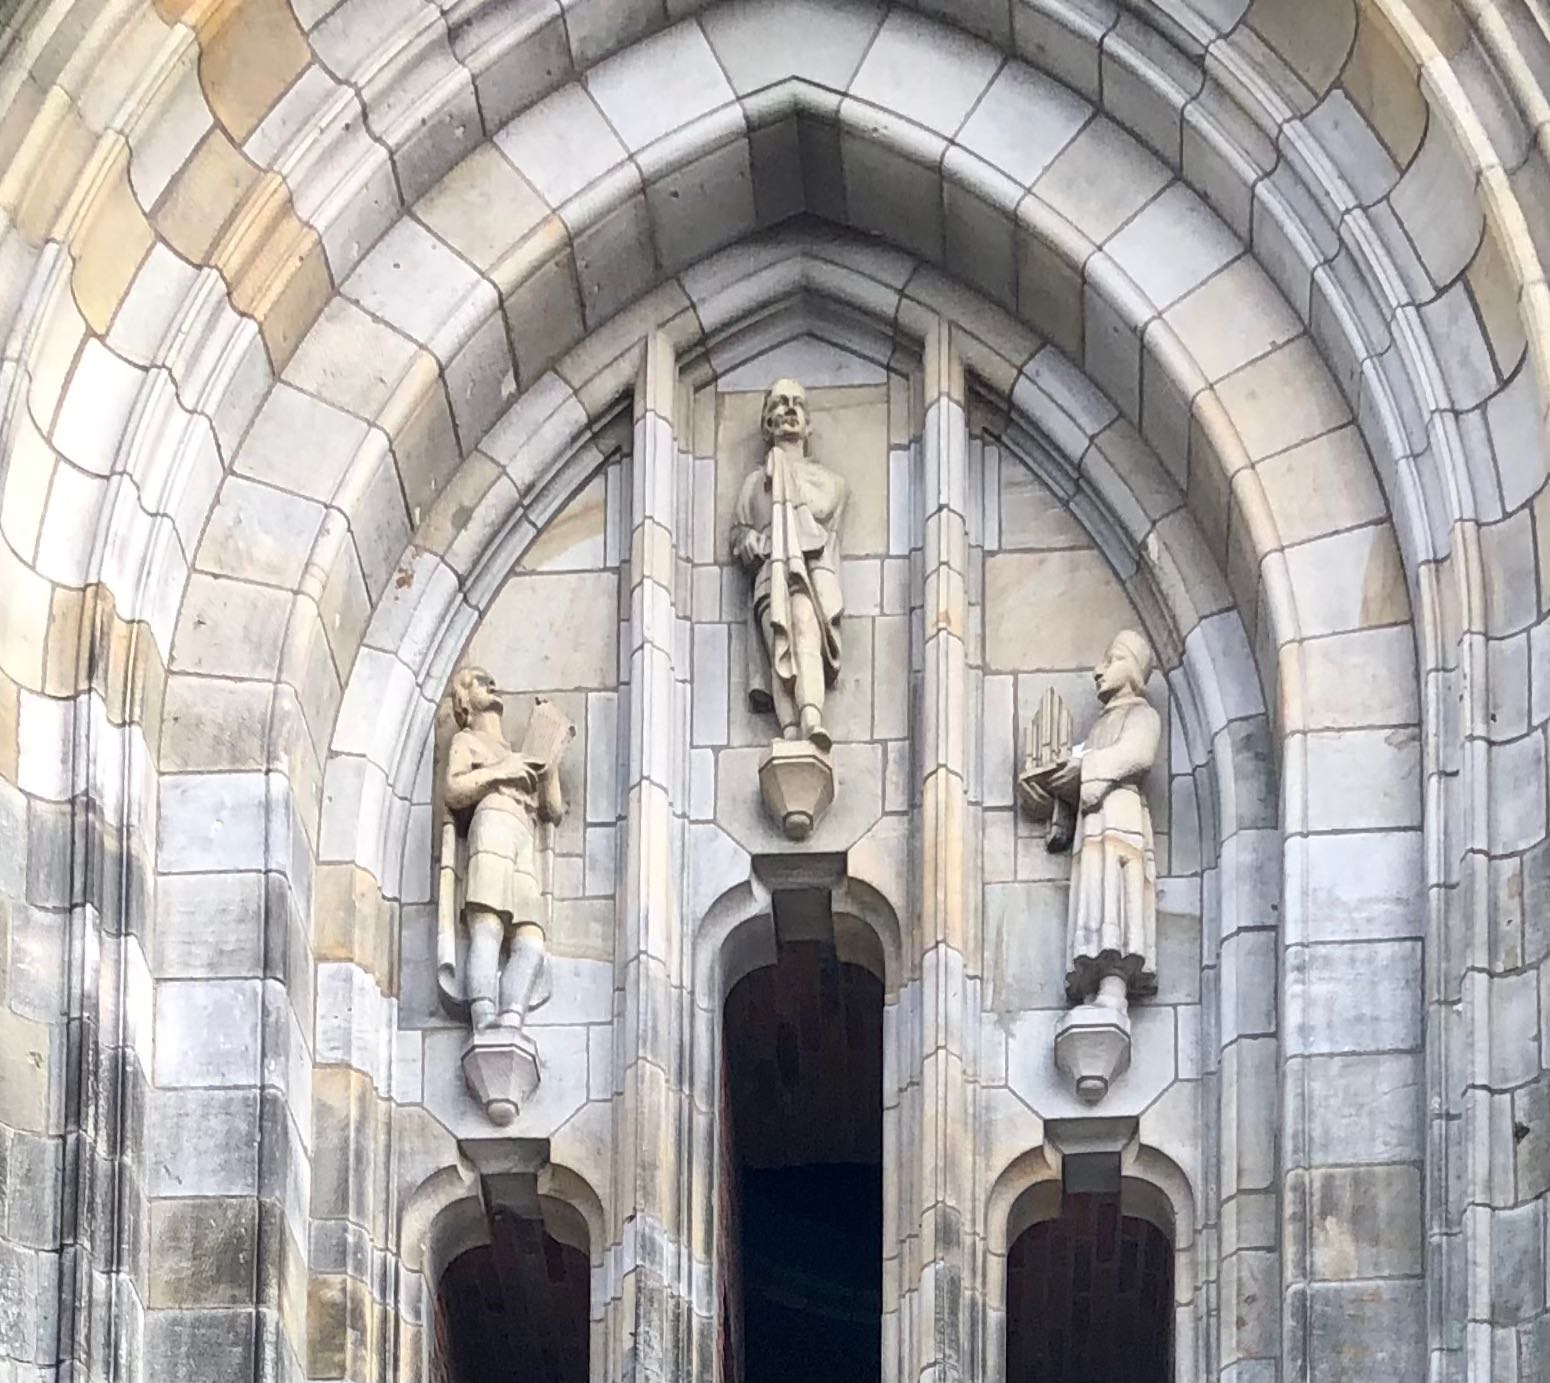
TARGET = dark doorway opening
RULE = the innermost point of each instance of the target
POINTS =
(1089, 1297)
(514, 1310)
(803, 1167)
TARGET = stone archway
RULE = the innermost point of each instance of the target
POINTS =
(183, 238)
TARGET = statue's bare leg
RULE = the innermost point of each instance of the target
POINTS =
(486, 931)
(807, 650)
(521, 973)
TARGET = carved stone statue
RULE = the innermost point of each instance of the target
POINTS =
(786, 536)
(1112, 918)
(495, 799)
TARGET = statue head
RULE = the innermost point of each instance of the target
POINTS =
(473, 691)
(785, 412)
(1125, 667)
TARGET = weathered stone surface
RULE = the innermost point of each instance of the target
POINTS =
(347, 343)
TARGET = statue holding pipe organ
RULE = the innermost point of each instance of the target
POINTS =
(499, 805)
(1091, 795)
(786, 537)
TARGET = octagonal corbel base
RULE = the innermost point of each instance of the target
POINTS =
(1092, 1048)
(797, 780)
(502, 1069)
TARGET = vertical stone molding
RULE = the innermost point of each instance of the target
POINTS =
(934, 1306)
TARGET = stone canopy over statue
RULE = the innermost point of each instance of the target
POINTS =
(1093, 798)
(491, 910)
(786, 536)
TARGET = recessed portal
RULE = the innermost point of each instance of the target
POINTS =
(515, 1310)
(803, 1163)
(1089, 1297)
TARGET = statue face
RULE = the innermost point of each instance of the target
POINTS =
(1116, 672)
(785, 412)
(479, 693)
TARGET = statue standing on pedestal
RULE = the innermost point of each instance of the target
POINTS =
(496, 799)
(1112, 918)
(786, 535)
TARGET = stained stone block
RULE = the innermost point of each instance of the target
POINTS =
(259, 532)
(615, 260)
(201, 1251)
(1375, 782)
(1101, 179)
(1366, 1222)
(658, 85)
(931, 75)
(1173, 245)
(1514, 1017)
(1022, 123)
(1357, 886)
(1349, 580)
(207, 1032)
(1111, 339)
(1364, 1107)
(1531, 1138)
(1219, 327)
(215, 1346)
(1345, 1008)
(200, 1142)
(1025, 940)
(229, 628)
(1368, 1330)
(19, 1322)
(571, 622)
(1518, 1276)
(1028, 597)
(96, 408)
(26, 1065)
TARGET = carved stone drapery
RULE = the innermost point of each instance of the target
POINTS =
(786, 536)
(1092, 795)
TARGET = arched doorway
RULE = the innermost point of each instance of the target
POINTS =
(515, 1309)
(802, 1209)
(1089, 1296)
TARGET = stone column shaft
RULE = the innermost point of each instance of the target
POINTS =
(935, 1347)
(650, 1339)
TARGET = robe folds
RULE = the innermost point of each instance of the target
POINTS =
(798, 503)
(1112, 923)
